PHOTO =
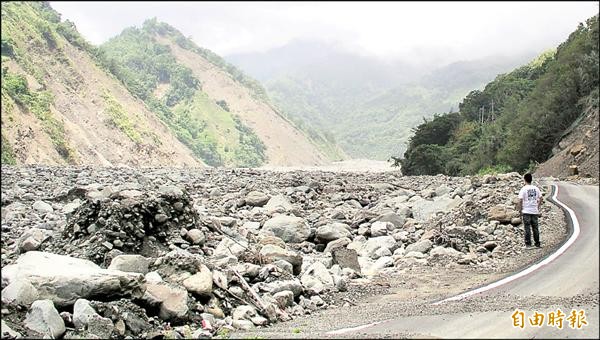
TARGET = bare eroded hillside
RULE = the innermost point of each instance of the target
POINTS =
(578, 148)
(285, 144)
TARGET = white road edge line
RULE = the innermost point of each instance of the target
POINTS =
(506, 280)
(532, 268)
(353, 329)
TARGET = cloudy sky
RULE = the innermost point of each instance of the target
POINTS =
(457, 30)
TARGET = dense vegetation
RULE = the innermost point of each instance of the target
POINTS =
(150, 71)
(518, 118)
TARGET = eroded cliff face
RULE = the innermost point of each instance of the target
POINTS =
(60, 107)
(577, 153)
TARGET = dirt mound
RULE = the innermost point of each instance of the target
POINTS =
(131, 221)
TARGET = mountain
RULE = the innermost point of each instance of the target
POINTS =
(543, 112)
(60, 107)
(367, 104)
(149, 96)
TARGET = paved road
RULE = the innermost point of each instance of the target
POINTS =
(573, 272)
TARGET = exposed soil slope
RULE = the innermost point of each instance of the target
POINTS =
(285, 144)
(579, 147)
(103, 123)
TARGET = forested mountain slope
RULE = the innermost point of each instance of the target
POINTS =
(519, 119)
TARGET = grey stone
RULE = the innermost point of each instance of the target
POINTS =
(346, 258)
(196, 236)
(160, 218)
(273, 253)
(380, 228)
(170, 190)
(42, 207)
(256, 198)
(391, 217)
(490, 245)
(312, 285)
(341, 242)
(320, 272)
(369, 248)
(82, 313)
(444, 252)
(242, 324)
(33, 238)
(278, 203)
(502, 213)
(425, 209)
(200, 283)
(101, 327)
(259, 320)
(43, 318)
(7, 331)
(333, 231)
(416, 254)
(284, 298)
(65, 279)
(422, 246)
(20, 292)
(229, 247)
(288, 228)
(130, 263)
(69, 208)
(243, 312)
(284, 266)
(294, 286)
(171, 298)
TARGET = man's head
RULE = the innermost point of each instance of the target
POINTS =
(528, 178)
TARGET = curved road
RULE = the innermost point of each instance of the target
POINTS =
(573, 272)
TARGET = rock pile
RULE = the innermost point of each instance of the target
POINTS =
(186, 253)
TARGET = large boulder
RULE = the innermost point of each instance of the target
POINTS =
(33, 238)
(271, 253)
(171, 298)
(85, 317)
(20, 292)
(317, 278)
(333, 231)
(44, 319)
(372, 245)
(64, 279)
(278, 203)
(391, 217)
(425, 209)
(288, 228)
(256, 199)
(422, 246)
(130, 263)
(200, 283)
(502, 213)
(42, 207)
(230, 247)
(380, 228)
(346, 258)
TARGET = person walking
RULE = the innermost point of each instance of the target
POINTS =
(530, 200)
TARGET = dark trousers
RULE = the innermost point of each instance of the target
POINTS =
(531, 222)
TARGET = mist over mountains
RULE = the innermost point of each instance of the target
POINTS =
(367, 104)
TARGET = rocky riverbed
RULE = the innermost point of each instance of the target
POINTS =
(158, 252)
